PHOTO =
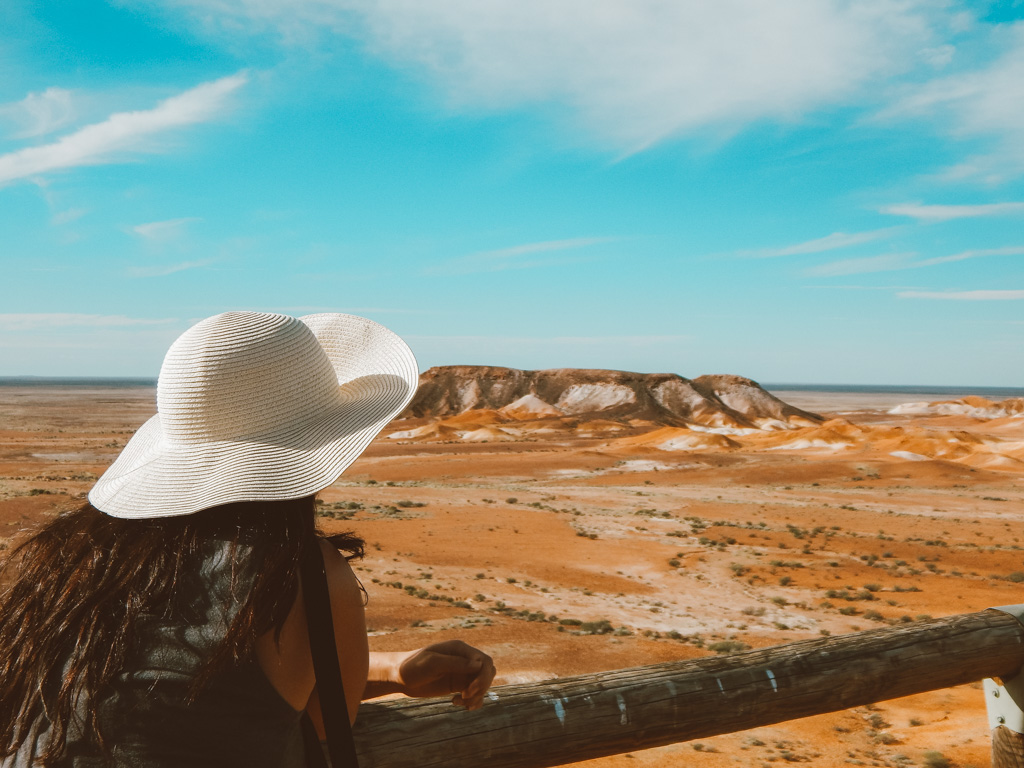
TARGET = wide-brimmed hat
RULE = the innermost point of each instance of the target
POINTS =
(259, 407)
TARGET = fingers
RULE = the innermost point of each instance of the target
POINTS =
(483, 671)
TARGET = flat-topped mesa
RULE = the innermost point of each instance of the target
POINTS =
(657, 398)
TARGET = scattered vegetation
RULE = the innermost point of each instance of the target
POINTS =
(934, 759)
(728, 646)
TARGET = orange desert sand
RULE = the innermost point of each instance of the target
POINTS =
(571, 521)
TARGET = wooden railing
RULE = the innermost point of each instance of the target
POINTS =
(570, 719)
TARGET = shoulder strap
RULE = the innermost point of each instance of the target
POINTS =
(340, 745)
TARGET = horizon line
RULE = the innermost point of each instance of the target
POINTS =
(147, 381)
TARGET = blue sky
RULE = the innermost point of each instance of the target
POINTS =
(798, 191)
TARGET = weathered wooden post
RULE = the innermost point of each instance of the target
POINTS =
(1004, 701)
(577, 718)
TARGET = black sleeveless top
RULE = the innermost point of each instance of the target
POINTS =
(239, 719)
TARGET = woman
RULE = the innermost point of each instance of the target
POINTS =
(165, 623)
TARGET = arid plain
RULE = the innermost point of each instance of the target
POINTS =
(571, 545)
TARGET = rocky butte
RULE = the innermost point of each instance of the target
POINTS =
(665, 399)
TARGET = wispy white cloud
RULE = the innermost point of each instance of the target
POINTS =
(984, 104)
(828, 243)
(314, 309)
(61, 218)
(630, 73)
(39, 113)
(34, 321)
(162, 230)
(558, 341)
(883, 263)
(978, 253)
(936, 213)
(168, 269)
(892, 262)
(515, 257)
(1012, 295)
(121, 134)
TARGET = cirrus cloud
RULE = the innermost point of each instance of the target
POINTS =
(631, 73)
(937, 213)
(1006, 295)
(122, 133)
(40, 113)
(39, 320)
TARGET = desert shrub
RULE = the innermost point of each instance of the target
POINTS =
(406, 504)
(878, 722)
(936, 760)
(728, 646)
(511, 500)
(601, 627)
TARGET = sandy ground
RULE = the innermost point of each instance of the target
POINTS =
(500, 543)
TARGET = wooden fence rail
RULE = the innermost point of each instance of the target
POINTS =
(577, 718)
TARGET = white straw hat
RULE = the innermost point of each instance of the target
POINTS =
(259, 407)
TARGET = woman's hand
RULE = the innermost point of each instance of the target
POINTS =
(436, 670)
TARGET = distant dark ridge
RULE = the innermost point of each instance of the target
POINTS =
(74, 381)
(989, 393)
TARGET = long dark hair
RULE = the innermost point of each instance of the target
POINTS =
(74, 591)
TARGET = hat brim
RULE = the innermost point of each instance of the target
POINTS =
(154, 477)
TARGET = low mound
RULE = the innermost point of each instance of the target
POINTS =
(476, 417)
(676, 439)
(529, 407)
(935, 444)
(434, 431)
(974, 407)
(486, 434)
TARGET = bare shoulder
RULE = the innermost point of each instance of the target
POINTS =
(286, 660)
(342, 583)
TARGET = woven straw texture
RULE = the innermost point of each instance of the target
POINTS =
(254, 406)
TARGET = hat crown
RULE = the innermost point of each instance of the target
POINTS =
(243, 375)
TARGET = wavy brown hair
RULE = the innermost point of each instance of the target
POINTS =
(74, 591)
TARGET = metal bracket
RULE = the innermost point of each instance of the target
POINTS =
(1004, 699)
